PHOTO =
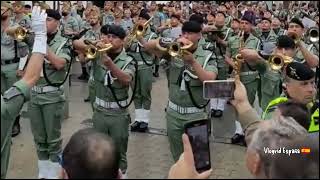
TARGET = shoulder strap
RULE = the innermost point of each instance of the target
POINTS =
(207, 60)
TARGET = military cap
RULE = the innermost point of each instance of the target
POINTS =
(285, 41)
(248, 16)
(267, 19)
(297, 21)
(299, 71)
(117, 30)
(144, 15)
(197, 18)
(53, 14)
(191, 26)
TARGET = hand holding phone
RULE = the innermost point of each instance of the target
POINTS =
(218, 89)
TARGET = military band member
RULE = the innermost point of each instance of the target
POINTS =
(14, 98)
(276, 26)
(187, 73)
(70, 25)
(142, 100)
(235, 26)
(118, 14)
(127, 20)
(113, 72)
(12, 51)
(46, 107)
(19, 16)
(107, 15)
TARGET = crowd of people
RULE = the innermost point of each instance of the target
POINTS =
(271, 53)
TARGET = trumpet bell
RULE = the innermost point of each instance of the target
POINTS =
(20, 33)
(239, 57)
(278, 61)
(91, 51)
(313, 35)
(176, 49)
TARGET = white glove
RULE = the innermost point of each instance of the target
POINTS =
(39, 27)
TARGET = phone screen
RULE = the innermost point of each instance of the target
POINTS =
(218, 89)
(199, 139)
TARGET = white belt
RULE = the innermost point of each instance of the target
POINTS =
(141, 62)
(45, 89)
(184, 110)
(249, 73)
(110, 105)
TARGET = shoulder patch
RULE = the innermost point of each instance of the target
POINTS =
(10, 93)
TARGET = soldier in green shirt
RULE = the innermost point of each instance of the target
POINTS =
(107, 15)
(19, 16)
(187, 74)
(46, 107)
(69, 24)
(113, 73)
(142, 100)
(276, 26)
(14, 98)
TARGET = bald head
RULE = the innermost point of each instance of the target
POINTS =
(90, 154)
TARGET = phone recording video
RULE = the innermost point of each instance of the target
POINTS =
(197, 132)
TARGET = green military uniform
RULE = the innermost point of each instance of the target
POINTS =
(107, 18)
(228, 21)
(11, 104)
(11, 52)
(180, 109)
(70, 24)
(46, 107)
(270, 80)
(108, 117)
(248, 77)
(142, 98)
(92, 35)
(310, 47)
(128, 24)
(279, 32)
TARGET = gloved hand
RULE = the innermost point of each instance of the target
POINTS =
(39, 27)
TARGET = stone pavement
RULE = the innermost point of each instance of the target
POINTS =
(148, 154)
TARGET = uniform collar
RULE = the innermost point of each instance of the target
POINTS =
(57, 35)
(122, 55)
(199, 52)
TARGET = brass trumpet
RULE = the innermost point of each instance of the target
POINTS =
(277, 61)
(137, 30)
(92, 50)
(313, 35)
(19, 33)
(294, 36)
(177, 49)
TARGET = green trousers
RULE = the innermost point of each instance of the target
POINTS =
(117, 127)
(46, 122)
(270, 88)
(8, 76)
(252, 84)
(92, 92)
(142, 98)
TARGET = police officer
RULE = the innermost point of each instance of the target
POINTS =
(187, 73)
(142, 100)
(305, 53)
(249, 76)
(12, 51)
(300, 87)
(113, 73)
(46, 107)
(13, 99)
(107, 15)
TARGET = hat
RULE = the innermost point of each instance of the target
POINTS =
(297, 21)
(144, 14)
(117, 30)
(248, 16)
(53, 14)
(299, 71)
(285, 41)
(197, 18)
(191, 26)
(267, 19)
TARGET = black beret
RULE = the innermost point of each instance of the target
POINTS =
(117, 30)
(222, 13)
(53, 14)
(299, 71)
(191, 26)
(248, 16)
(105, 29)
(285, 41)
(297, 21)
(267, 19)
(144, 15)
(197, 18)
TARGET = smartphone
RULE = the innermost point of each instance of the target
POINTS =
(198, 134)
(218, 89)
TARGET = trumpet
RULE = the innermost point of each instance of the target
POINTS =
(294, 36)
(19, 33)
(138, 30)
(277, 61)
(313, 35)
(92, 50)
(177, 49)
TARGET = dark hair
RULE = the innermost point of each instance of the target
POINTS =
(90, 155)
(27, 6)
(296, 165)
(297, 111)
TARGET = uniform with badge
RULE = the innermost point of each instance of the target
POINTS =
(298, 72)
(11, 104)
(142, 100)
(108, 117)
(46, 106)
(186, 101)
(248, 76)
(270, 80)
